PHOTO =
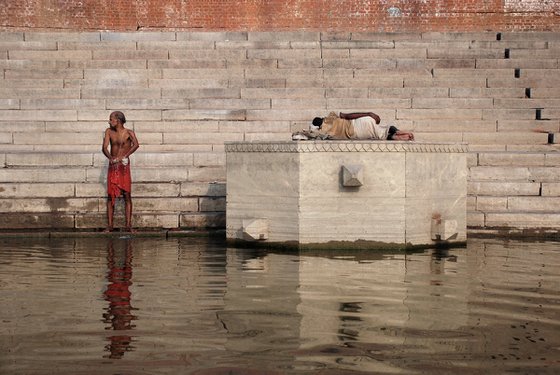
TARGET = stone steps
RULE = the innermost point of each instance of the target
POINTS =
(186, 93)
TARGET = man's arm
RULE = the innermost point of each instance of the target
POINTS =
(355, 115)
(134, 145)
(106, 142)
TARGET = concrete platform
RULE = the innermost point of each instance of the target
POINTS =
(338, 194)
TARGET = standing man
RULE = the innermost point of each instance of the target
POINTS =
(122, 143)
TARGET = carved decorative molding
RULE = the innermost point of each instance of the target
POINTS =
(345, 146)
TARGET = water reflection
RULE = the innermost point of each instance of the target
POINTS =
(119, 314)
(192, 305)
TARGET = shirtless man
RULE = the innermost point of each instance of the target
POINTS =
(122, 144)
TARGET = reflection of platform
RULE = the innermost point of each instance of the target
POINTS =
(346, 193)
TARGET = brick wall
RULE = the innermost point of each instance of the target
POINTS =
(270, 15)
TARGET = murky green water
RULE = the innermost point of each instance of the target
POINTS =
(195, 306)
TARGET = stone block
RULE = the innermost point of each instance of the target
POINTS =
(10, 36)
(44, 93)
(541, 82)
(505, 125)
(196, 189)
(39, 115)
(394, 92)
(284, 53)
(460, 103)
(533, 204)
(461, 53)
(472, 82)
(19, 45)
(545, 92)
(508, 114)
(52, 204)
(212, 204)
(475, 219)
(49, 159)
(5, 138)
(469, 73)
(209, 159)
(552, 160)
(51, 175)
(52, 104)
(368, 104)
(511, 158)
(505, 138)
(439, 113)
(229, 104)
(171, 45)
(529, 53)
(44, 74)
(283, 35)
(36, 221)
(32, 83)
(120, 93)
(89, 37)
(36, 190)
(201, 138)
(138, 36)
(484, 203)
(526, 103)
(503, 173)
(551, 189)
(214, 54)
(53, 138)
(154, 204)
(212, 92)
(523, 220)
(545, 174)
(51, 55)
(210, 114)
(212, 35)
(429, 64)
(445, 126)
(214, 220)
(140, 220)
(207, 174)
(517, 63)
(388, 53)
(457, 36)
(499, 189)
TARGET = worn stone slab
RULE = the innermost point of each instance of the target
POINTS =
(49, 159)
(528, 204)
(36, 221)
(475, 219)
(485, 204)
(499, 189)
(516, 63)
(36, 190)
(212, 204)
(511, 158)
(214, 220)
(551, 189)
(63, 36)
(52, 204)
(139, 220)
(211, 35)
(138, 36)
(197, 189)
(67, 174)
(462, 103)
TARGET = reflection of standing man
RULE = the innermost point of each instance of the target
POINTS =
(119, 312)
(123, 143)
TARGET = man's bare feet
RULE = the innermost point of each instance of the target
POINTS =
(130, 230)
(108, 230)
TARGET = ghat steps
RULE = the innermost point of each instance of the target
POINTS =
(186, 93)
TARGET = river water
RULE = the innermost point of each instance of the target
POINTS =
(196, 306)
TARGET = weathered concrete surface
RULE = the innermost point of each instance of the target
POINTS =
(406, 190)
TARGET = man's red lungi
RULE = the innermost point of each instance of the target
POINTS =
(118, 180)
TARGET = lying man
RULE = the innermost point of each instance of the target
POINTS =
(358, 125)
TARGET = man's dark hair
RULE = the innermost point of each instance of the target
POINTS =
(392, 131)
(120, 116)
(318, 122)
